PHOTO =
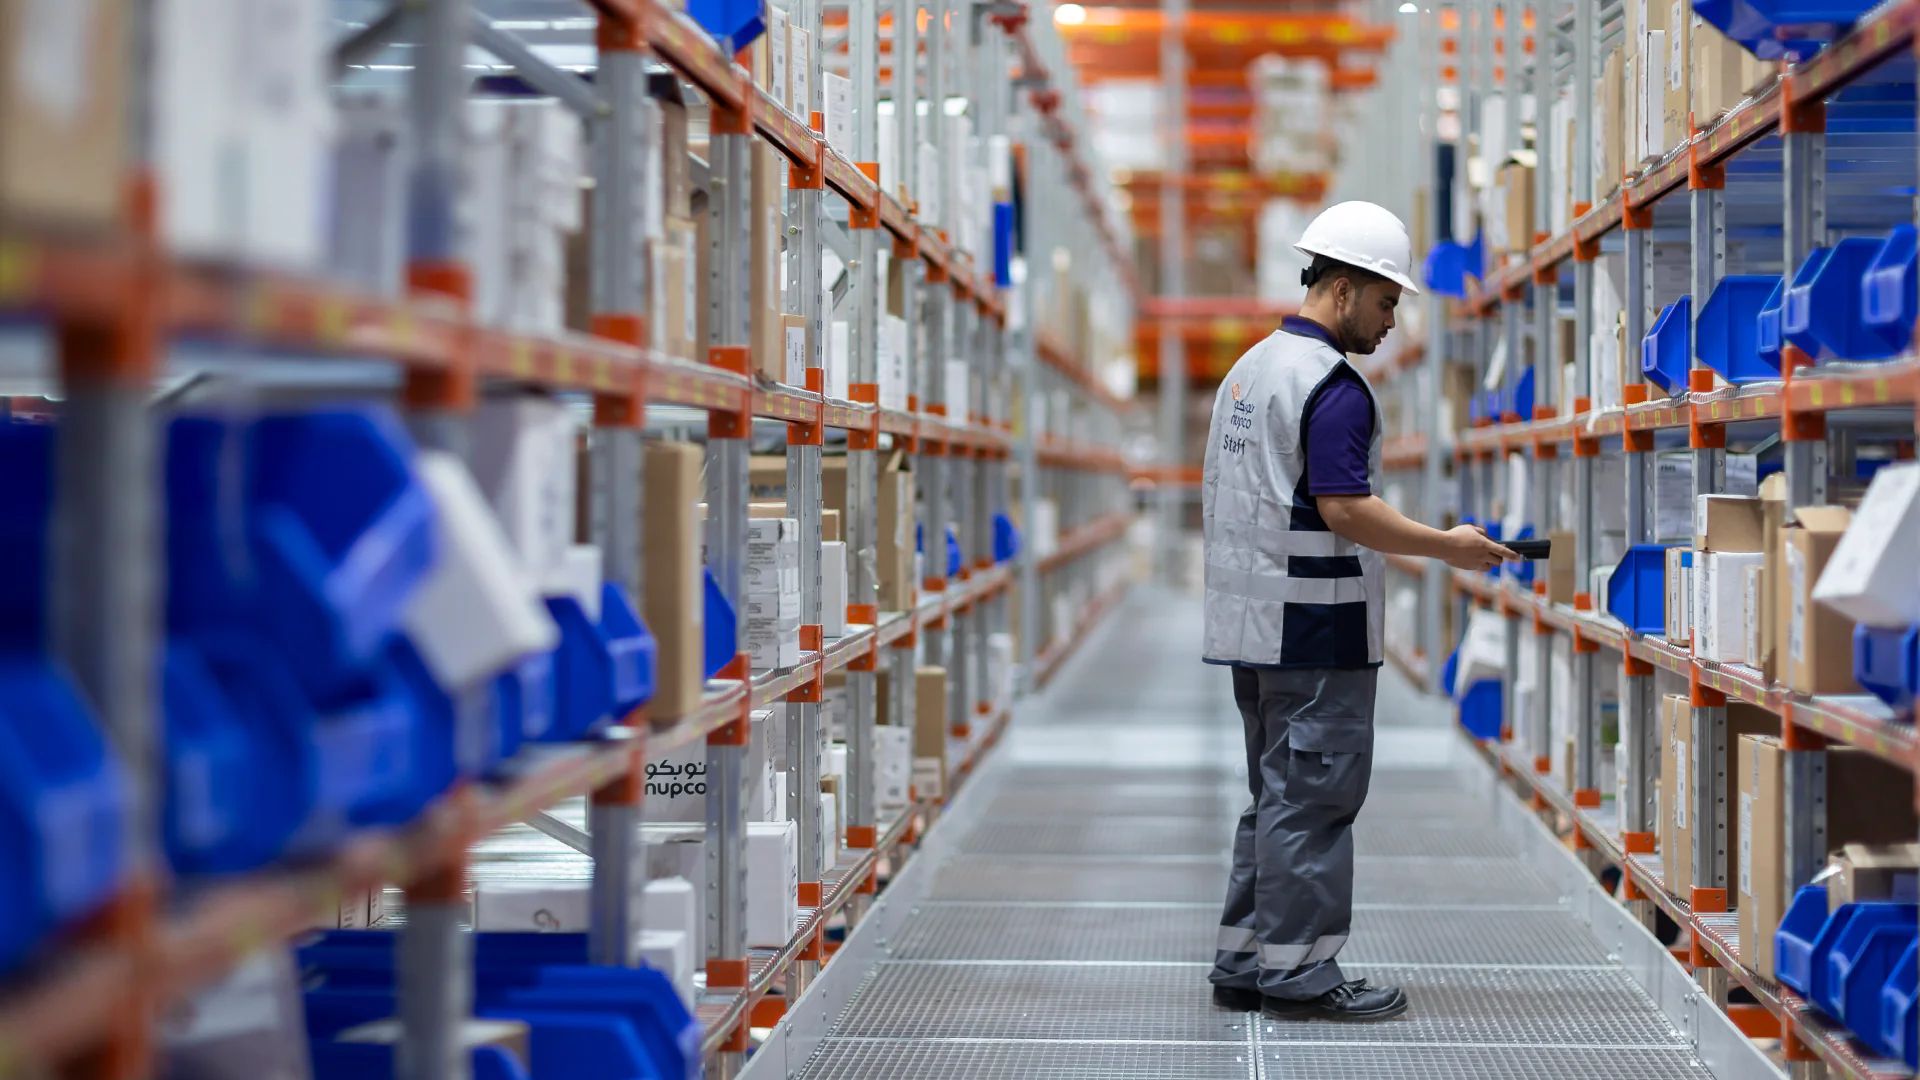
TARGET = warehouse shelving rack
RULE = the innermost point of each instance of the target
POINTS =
(1765, 163)
(114, 300)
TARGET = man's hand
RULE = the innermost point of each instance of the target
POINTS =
(1466, 547)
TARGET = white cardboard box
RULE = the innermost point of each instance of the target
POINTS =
(892, 764)
(476, 613)
(838, 92)
(558, 906)
(1873, 576)
(670, 952)
(673, 904)
(1720, 605)
(524, 460)
(833, 588)
(773, 883)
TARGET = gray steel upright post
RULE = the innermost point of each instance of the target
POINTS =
(620, 287)
(864, 522)
(1030, 402)
(1805, 228)
(1173, 278)
(435, 961)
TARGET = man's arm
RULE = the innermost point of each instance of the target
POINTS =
(1370, 522)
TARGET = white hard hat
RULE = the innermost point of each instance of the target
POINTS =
(1365, 235)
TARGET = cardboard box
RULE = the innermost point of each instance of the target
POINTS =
(833, 588)
(767, 241)
(1516, 176)
(1874, 576)
(63, 111)
(1610, 116)
(1562, 582)
(1719, 75)
(830, 526)
(773, 883)
(930, 712)
(800, 71)
(899, 585)
(1755, 611)
(1868, 801)
(1720, 605)
(795, 342)
(1676, 862)
(1819, 640)
(1728, 523)
(1677, 98)
(1741, 720)
(675, 596)
(1873, 872)
(677, 265)
(1771, 616)
(1679, 607)
(676, 167)
(779, 55)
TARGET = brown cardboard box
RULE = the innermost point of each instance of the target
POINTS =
(1612, 118)
(1677, 99)
(1728, 523)
(767, 478)
(765, 508)
(1871, 872)
(1741, 720)
(1561, 583)
(767, 223)
(1868, 801)
(1668, 836)
(930, 712)
(830, 526)
(1773, 518)
(895, 549)
(1719, 73)
(1819, 640)
(675, 597)
(63, 115)
(1517, 178)
(1457, 387)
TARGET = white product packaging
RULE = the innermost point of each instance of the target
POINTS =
(893, 765)
(1000, 669)
(958, 405)
(833, 588)
(243, 127)
(577, 576)
(559, 906)
(796, 352)
(779, 56)
(366, 242)
(830, 832)
(1483, 651)
(524, 461)
(1752, 611)
(672, 905)
(1873, 576)
(1673, 497)
(892, 364)
(838, 93)
(1681, 566)
(475, 613)
(839, 357)
(670, 952)
(773, 883)
(1046, 528)
(1720, 604)
(800, 71)
(677, 784)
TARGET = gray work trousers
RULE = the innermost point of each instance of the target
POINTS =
(1290, 899)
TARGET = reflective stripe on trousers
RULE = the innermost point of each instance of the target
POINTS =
(1289, 908)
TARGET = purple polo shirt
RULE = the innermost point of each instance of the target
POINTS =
(1339, 424)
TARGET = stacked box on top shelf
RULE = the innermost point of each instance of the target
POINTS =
(524, 166)
(773, 592)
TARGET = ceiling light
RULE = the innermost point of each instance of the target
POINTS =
(1069, 15)
(1409, 8)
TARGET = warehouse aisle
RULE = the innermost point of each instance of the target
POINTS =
(1071, 935)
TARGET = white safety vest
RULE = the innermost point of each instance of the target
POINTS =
(1282, 590)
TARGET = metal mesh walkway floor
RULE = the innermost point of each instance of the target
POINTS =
(1071, 932)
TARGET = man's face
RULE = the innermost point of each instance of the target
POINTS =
(1365, 315)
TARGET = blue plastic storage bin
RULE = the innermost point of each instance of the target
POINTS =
(309, 529)
(1794, 942)
(734, 23)
(1767, 336)
(722, 628)
(1729, 329)
(1006, 539)
(1857, 973)
(63, 804)
(1449, 264)
(1823, 312)
(1843, 949)
(1480, 709)
(955, 560)
(26, 506)
(374, 1061)
(1637, 590)
(1666, 350)
(1782, 29)
(1886, 663)
(524, 702)
(1521, 572)
(1003, 241)
(1897, 1008)
(1890, 289)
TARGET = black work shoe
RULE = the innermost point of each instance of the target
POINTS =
(1348, 1001)
(1231, 997)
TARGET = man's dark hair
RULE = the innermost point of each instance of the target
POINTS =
(1325, 271)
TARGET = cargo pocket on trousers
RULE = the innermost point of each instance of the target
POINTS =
(1329, 763)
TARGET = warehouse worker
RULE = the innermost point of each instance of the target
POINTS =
(1295, 539)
